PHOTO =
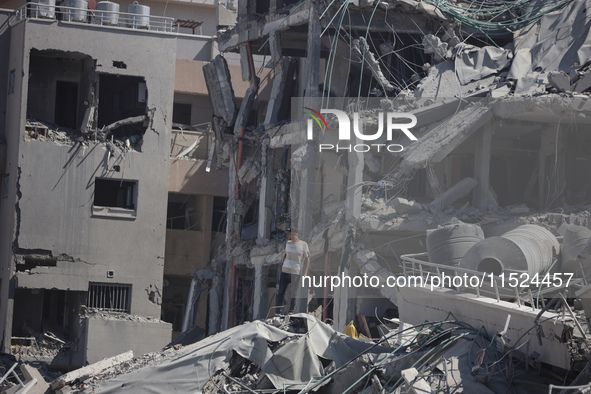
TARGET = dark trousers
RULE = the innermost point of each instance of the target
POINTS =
(284, 280)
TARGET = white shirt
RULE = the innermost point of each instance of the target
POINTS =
(295, 253)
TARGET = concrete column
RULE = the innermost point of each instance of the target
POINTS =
(7, 338)
(305, 203)
(243, 10)
(354, 181)
(313, 52)
(278, 94)
(230, 229)
(308, 173)
(266, 192)
(215, 296)
(261, 276)
(344, 298)
(226, 304)
(482, 168)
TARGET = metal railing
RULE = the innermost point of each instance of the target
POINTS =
(95, 17)
(109, 297)
(192, 143)
(488, 285)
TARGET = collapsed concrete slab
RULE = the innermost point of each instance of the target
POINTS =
(442, 139)
(93, 369)
(294, 363)
(221, 93)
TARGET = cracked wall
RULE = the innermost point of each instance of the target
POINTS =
(52, 186)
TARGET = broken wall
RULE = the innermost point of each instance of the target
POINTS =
(51, 195)
(15, 115)
(110, 337)
(57, 200)
(52, 76)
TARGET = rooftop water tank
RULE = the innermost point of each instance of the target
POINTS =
(449, 243)
(575, 242)
(140, 17)
(106, 13)
(75, 10)
(42, 9)
(527, 249)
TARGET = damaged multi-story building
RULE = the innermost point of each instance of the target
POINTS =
(108, 203)
(500, 100)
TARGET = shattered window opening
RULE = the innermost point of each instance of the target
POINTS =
(181, 113)
(176, 291)
(109, 297)
(47, 314)
(115, 193)
(181, 212)
(32, 262)
(193, 143)
(218, 220)
(122, 109)
(58, 84)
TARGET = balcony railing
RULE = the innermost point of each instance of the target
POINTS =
(482, 284)
(95, 17)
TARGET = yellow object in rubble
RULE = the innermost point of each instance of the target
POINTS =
(351, 331)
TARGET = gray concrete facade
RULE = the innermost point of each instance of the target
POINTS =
(49, 206)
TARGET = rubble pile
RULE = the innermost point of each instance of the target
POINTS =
(128, 134)
(299, 353)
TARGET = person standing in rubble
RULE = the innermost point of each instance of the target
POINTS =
(296, 255)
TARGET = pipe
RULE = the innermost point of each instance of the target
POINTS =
(239, 164)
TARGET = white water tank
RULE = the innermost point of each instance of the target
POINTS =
(106, 13)
(42, 9)
(75, 10)
(140, 15)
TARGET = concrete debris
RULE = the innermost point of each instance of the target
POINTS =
(474, 64)
(125, 122)
(119, 136)
(453, 194)
(361, 53)
(484, 153)
(416, 384)
(583, 83)
(433, 45)
(402, 206)
(34, 380)
(248, 172)
(490, 183)
(256, 355)
(221, 93)
(284, 352)
(80, 375)
(560, 80)
(576, 249)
